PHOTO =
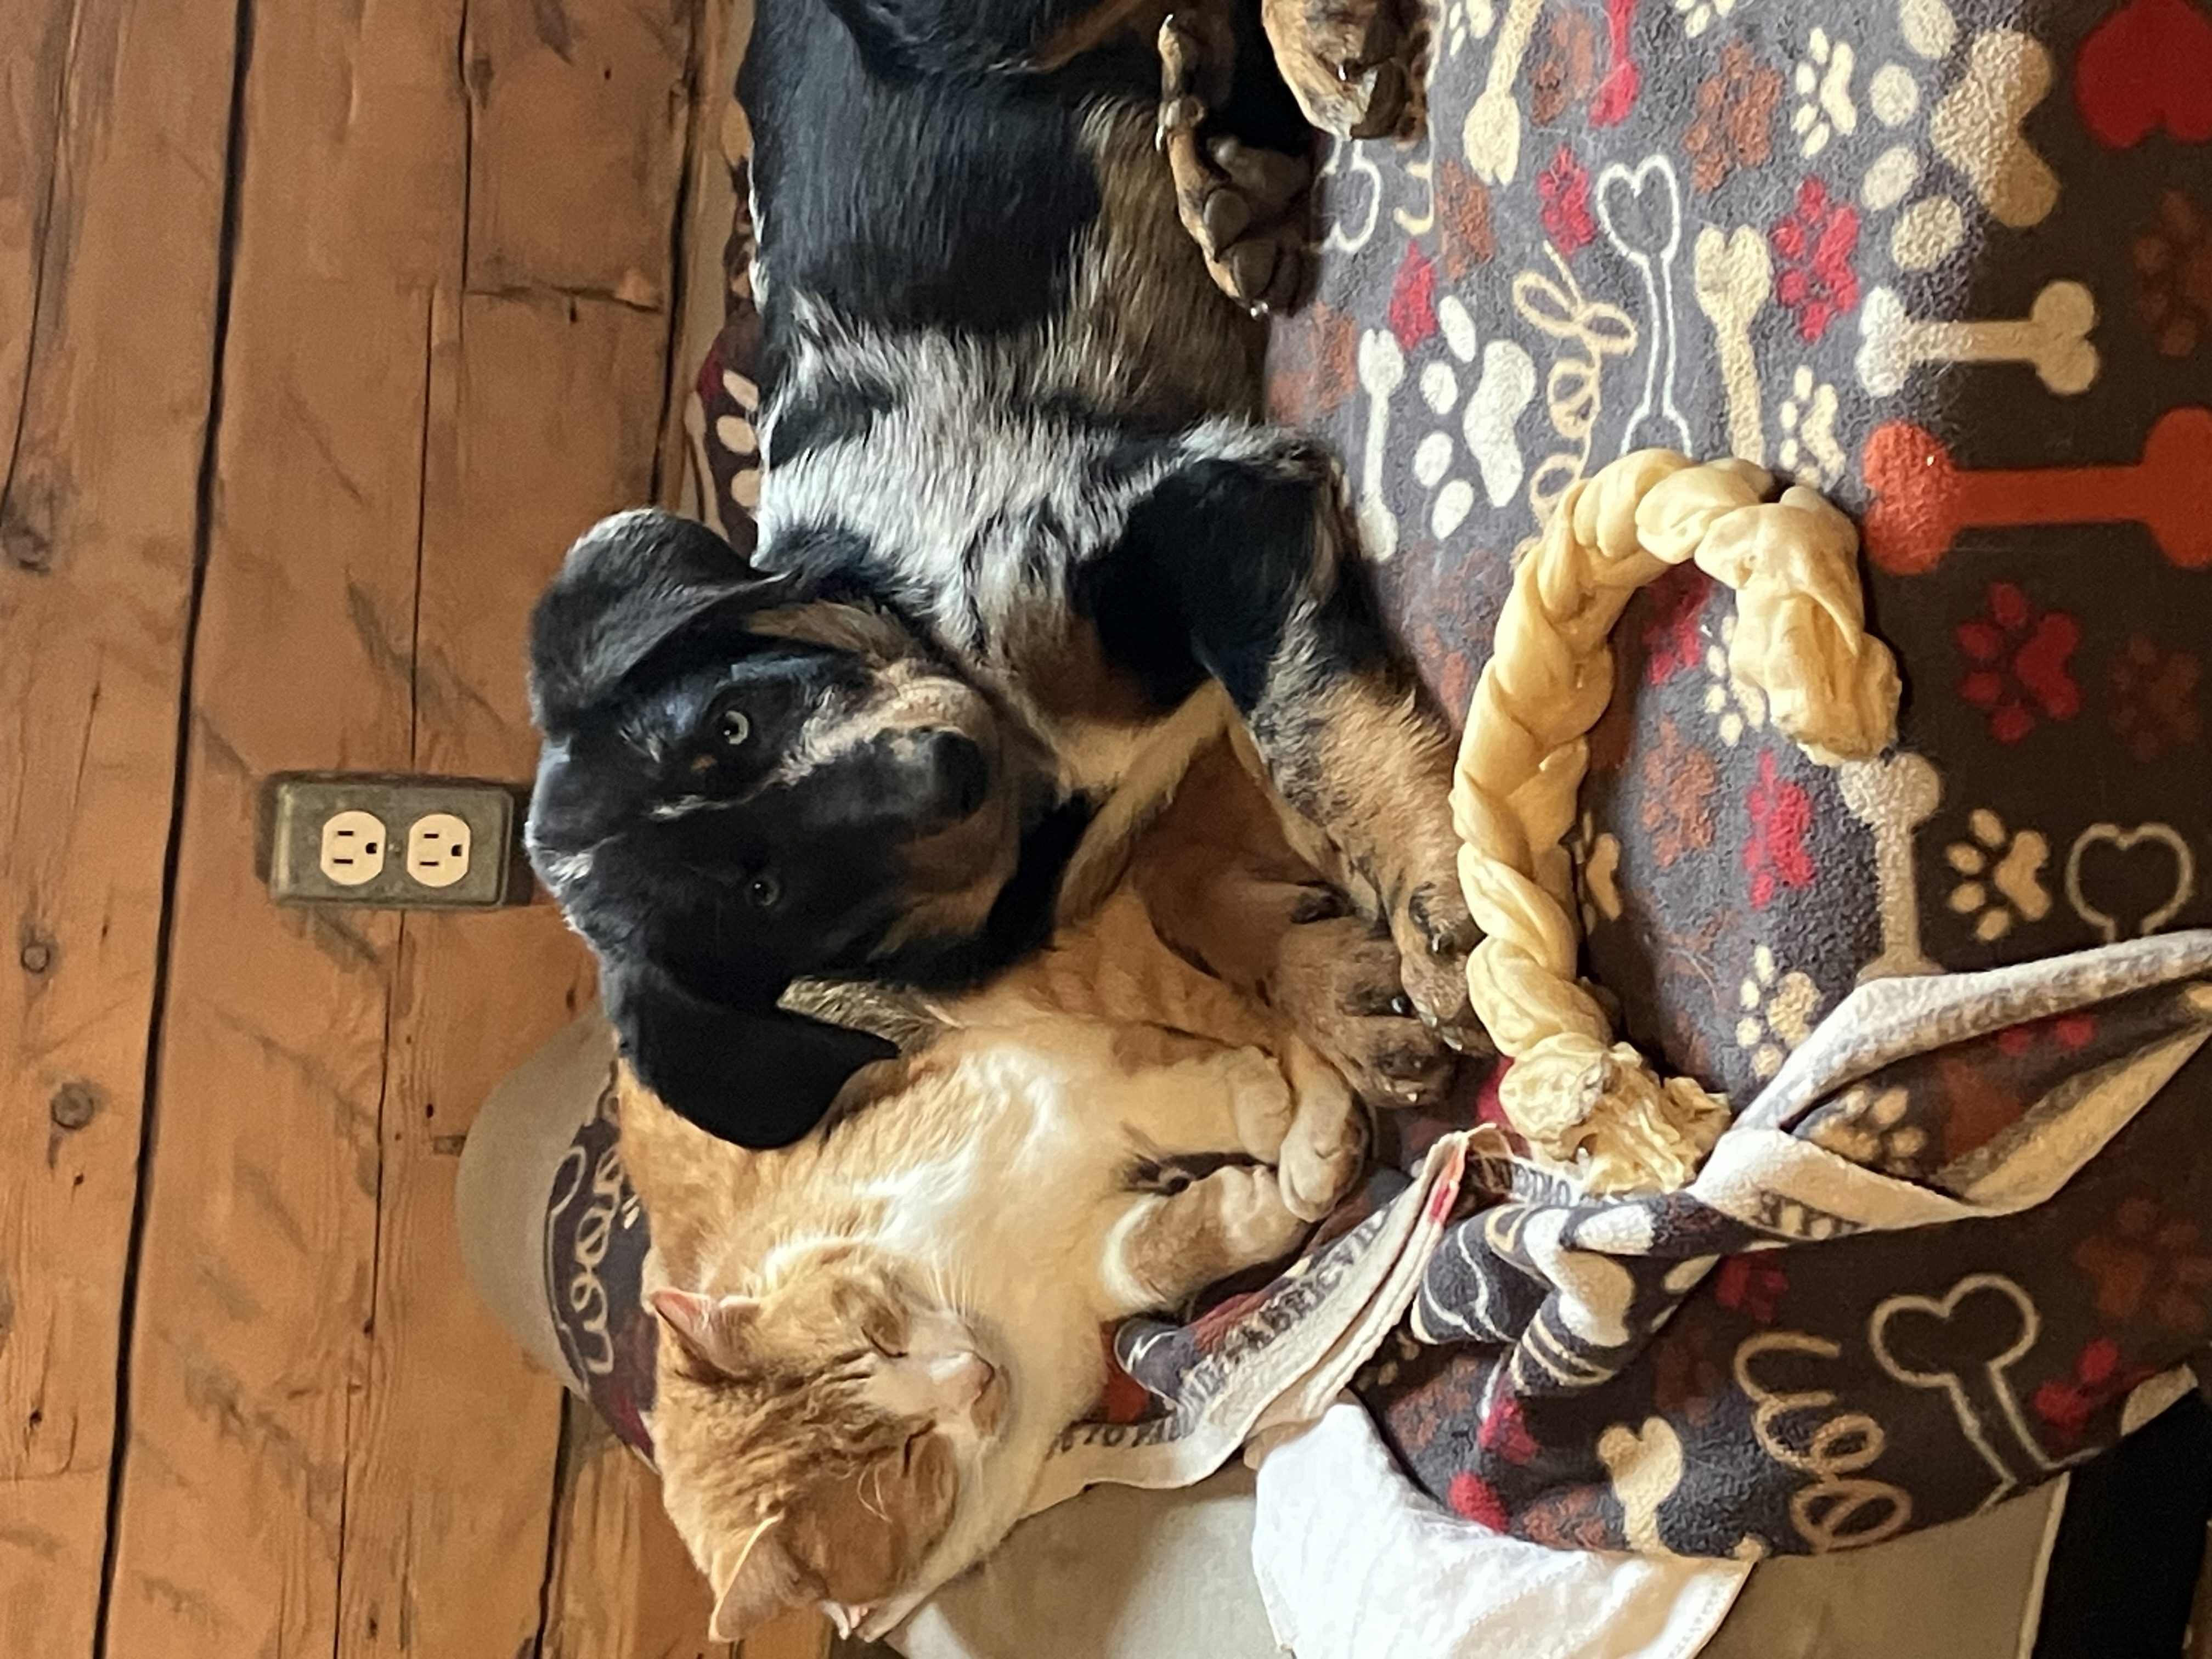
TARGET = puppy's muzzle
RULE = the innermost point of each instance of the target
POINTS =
(928, 780)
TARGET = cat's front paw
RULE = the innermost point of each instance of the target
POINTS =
(1258, 1224)
(1324, 1152)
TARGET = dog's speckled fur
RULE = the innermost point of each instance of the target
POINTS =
(1022, 530)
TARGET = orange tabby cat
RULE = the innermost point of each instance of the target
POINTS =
(872, 1338)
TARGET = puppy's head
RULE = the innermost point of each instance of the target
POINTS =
(744, 781)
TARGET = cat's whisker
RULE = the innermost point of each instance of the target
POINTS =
(873, 1504)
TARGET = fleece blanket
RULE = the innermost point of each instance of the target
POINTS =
(1953, 265)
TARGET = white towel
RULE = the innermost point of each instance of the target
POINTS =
(1354, 1563)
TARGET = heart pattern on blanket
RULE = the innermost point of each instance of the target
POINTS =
(2146, 69)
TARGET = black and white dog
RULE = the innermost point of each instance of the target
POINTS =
(1026, 545)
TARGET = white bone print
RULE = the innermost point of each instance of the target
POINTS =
(1977, 127)
(1491, 136)
(2053, 337)
(1382, 372)
(1894, 797)
(1735, 278)
(1641, 212)
(1645, 1467)
(1980, 1392)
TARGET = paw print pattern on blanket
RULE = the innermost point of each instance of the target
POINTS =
(1826, 109)
(1778, 1007)
(1496, 389)
(2000, 874)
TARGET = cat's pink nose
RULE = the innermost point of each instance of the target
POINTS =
(967, 1378)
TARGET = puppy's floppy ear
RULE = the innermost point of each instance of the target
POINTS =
(760, 1077)
(629, 582)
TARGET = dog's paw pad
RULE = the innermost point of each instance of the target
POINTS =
(1245, 207)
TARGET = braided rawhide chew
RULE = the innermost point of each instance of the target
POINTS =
(1590, 1105)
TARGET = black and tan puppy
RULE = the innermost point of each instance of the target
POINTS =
(1027, 550)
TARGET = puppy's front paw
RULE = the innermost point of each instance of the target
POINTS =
(1348, 62)
(1246, 207)
(1435, 935)
(1338, 983)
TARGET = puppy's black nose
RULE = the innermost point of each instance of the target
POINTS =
(960, 776)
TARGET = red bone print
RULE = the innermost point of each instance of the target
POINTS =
(1922, 500)
(1616, 93)
(2146, 66)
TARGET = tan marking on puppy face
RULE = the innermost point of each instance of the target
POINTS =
(862, 630)
(953, 877)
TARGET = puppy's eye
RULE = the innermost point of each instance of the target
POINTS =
(731, 726)
(763, 891)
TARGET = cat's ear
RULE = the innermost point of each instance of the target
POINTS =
(710, 1329)
(760, 1077)
(754, 1580)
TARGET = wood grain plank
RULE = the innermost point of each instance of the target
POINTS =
(544, 394)
(252, 1351)
(703, 292)
(113, 139)
(588, 103)
(34, 66)
(551, 424)
(623, 1586)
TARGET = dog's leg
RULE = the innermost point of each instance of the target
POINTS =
(1246, 206)
(1347, 62)
(1250, 539)
(1223, 887)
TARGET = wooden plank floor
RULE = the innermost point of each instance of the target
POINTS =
(322, 329)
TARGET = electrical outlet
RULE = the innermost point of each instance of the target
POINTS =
(438, 849)
(391, 842)
(352, 848)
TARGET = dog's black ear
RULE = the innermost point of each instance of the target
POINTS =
(760, 1077)
(629, 582)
